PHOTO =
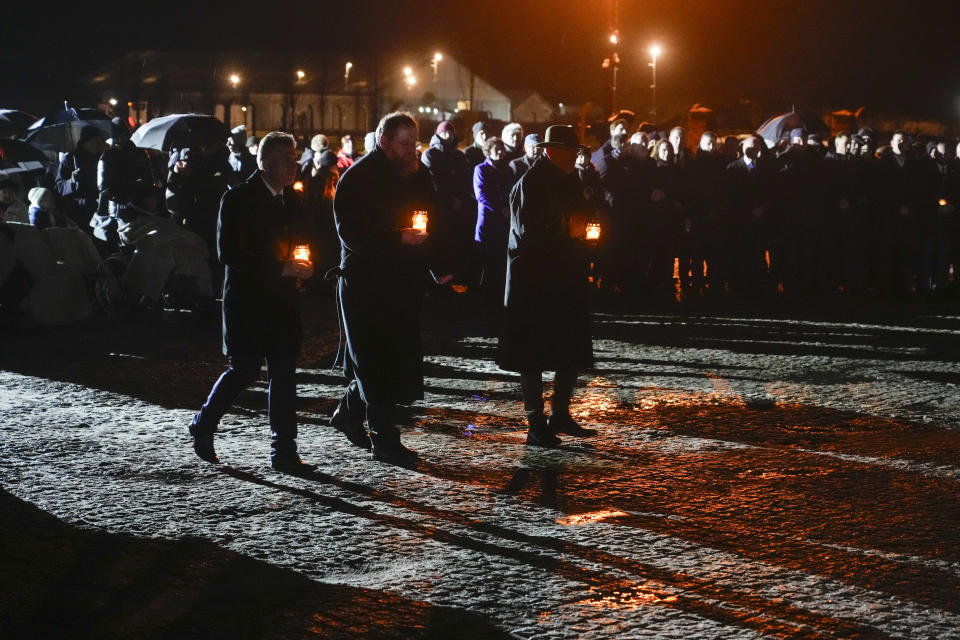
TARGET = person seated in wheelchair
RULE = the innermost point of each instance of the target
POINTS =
(160, 249)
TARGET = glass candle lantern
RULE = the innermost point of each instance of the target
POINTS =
(593, 231)
(419, 221)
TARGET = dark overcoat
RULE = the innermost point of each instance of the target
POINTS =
(255, 236)
(382, 280)
(546, 319)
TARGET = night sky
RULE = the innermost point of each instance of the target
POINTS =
(901, 57)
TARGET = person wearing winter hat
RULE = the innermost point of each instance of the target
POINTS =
(43, 210)
(546, 305)
(531, 152)
(474, 153)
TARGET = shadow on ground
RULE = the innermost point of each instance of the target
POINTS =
(61, 582)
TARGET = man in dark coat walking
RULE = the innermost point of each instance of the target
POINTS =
(259, 225)
(547, 321)
(382, 271)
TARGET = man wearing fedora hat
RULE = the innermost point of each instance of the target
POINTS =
(546, 319)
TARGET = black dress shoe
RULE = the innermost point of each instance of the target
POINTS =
(566, 424)
(354, 431)
(203, 444)
(393, 452)
(543, 438)
(292, 465)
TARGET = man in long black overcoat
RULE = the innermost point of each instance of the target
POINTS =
(259, 225)
(383, 270)
(547, 321)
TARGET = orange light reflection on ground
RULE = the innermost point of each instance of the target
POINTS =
(593, 516)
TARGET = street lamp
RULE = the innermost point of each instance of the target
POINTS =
(408, 77)
(613, 63)
(655, 52)
(435, 63)
(346, 75)
(301, 75)
(234, 80)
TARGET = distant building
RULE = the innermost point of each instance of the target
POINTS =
(531, 107)
(326, 94)
(438, 89)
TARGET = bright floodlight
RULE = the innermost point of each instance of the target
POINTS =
(234, 79)
(613, 38)
(349, 66)
(113, 102)
(655, 51)
(437, 57)
(300, 74)
(407, 71)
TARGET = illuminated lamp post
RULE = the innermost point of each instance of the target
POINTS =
(655, 52)
(346, 75)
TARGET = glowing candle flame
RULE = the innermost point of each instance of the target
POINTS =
(420, 221)
(302, 252)
(298, 186)
(593, 231)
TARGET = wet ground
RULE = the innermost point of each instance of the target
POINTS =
(761, 470)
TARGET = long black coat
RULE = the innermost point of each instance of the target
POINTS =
(382, 280)
(255, 235)
(546, 319)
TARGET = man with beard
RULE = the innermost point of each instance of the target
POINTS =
(382, 268)
(547, 322)
(258, 227)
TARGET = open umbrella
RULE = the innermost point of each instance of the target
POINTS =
(178, 131)
(776, 127)
(14, 123)
(17, 156)
(60, 130)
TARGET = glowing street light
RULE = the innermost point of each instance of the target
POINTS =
(614, 38)
(113, 102)
(346, 74)
(435, 63)
(655, 52)
(300, 74)
(234, 80)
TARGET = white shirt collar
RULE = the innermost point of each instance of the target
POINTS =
(271, 189)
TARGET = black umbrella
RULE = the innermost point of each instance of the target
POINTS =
(60, 130)
(774, 129)
(14, 151)
(14, 123)
(178, 131)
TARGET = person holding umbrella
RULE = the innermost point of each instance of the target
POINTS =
(259, 230)
(547, 322)
(77, 178)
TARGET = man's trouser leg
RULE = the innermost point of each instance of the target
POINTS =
(282, 404)
(242, 371)
(564, 381)
(351, 406)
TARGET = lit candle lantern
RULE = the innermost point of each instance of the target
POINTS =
(302, 252)
(420, 221)
(943, 202)
(593, 231)
(298, 186)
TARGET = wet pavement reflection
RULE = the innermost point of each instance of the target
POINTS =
(744, 483)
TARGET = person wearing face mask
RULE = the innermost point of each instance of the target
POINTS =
(384, 258)
(546, 312)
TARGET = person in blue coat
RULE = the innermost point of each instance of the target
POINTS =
(259, 225)
(492, 180)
